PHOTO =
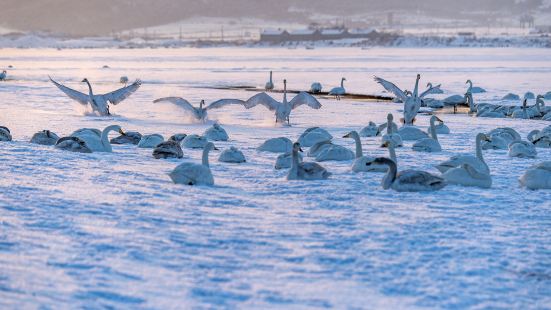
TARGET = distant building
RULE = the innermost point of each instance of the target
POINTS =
(280, 35)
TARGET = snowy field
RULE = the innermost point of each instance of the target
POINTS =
(112, 230)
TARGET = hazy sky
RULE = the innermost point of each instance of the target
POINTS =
(104, 16)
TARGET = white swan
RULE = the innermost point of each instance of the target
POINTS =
(391, 135)
(511, 96)
(216, 133)
(314, 135)
(521, 113)
(315, 88)
(72, 144)
(283, 109)
(44, 137)
(338, 91)
(232, 155)
(371, 130)
(361, 162)
(178, 137)
(5, 134)
(441, 128)
(429, 144)
(540, 138)
(411, 133)
(128, 137)
(192, 173)
(270, 84)
(436, 89)
(168, 149)
(99, 103)
(466, 175)
(329, 151)
(529, 95)
(3, 75)
(199, 113)
(150, 141)
(408, 180)
(500, 138)
(95, 140)
(194, 142)
(285, 160)
(477, 162)
(412, 103)
(305, 171)
(475, 89)
(537, 177)
(276, 145)
(522, 149)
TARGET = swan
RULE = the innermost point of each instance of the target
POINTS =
(123, 80)
(314, 135)
(318, 147)
(168, 149)
(411, 133)
(232, 155)
(437, 89)
(276, 145)
(216, 133)
(72, 144)
(521, 113)
(529, 95)
(315, 88)
(522, 149)
(540, 138)
(334, 152)
(537, 176)
(179, 137)
(466, 175)
(433, 103)
(441, 128)
(194, 142)
(547, 95)
(429, 144)
(391, 135)
(477, 162)
(412, 103)
(285, 160)
(3, 75)
(305, 171)
(338, 91)
(5, 134)
(95, 140)
(128, 137)
(408, 180)
(360, 163)
(270, 84)
(371, 130)
(283, 109)
(44, 137)
(192, 173)
(99, 103)
(150, 141)
(500, 138)
(511, 96)
(384, 126)
(475, 89)
(199, 113)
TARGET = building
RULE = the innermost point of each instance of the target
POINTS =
(329, 34)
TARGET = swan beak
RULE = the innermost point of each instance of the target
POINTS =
(438, 119)
(83, 81)
(215, 148)
(122, 132)
(300, 149)
(346, 135)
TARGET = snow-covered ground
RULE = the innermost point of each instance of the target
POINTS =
(111, 230)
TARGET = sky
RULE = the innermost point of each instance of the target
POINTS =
(105, 16)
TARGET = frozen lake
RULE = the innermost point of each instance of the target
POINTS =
(112, 230)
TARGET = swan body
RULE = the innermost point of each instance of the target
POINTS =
(270, 84)
(412, 102)
(441, 128)
(305, 171)
(5, 134)
(99, 103)
(408, 180)
(334, 152)
(95, 140)
(3, 75)
(199, 113)
(511, 96)
(371, 130)
(194, 174)
(521, 113)
(474, 89)
(500, 138)
(179, 137)
(314, 135)
(129, 137)
(72, 144)
(433, 103)
(429, 144)
(522, 149)
(537, 177)
(150, 141)
(437, 89)
(454, 100)
(276, 145)
(315, 88)
(466, 175)
(216, 133)
(232, 155)
(541, 138)
(44, 137)
(283, 109)
(318, 147)
(285, 160)
(477, 162)
(194, 142)
(411, 133)
(338, 91)
(168, 149)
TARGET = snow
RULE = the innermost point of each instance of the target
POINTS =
(111, 230)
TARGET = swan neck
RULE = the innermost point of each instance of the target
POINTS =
(90, 89)
(294, 164)
(105, 136)
(470, 86)
(433, 129)
(479, 149)
(271, 77)
(392, 153)
(359, 151)
(205, 158)
(342, 83)
(390, 175)
(416, 89)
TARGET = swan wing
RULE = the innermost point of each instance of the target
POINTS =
(181, 102)
(391, 87)
(223, 102)
(119, 95)
(263, 99)
(73, 94)
(305, 98)
(431, 90)
(421, 178)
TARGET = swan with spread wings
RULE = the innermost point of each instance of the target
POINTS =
(99, 103)
(200, 112)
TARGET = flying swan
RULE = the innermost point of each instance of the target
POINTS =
(199, 113)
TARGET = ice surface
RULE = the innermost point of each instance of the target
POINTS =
(111, 230)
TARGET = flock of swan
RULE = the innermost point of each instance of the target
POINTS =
(464, 170)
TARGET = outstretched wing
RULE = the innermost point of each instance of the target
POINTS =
(431, 90)
(305, 98)
(119, 95)
(389, 86)
(222, 102)
(73, 94)
(263, 99)
(183, 103)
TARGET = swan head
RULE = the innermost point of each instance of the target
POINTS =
(418, 76)
(429, 85)
(389, 118)
(483, 137)
(4, 71)
(350, 134)
(210, 146)
(468, 82)
(296, 147)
